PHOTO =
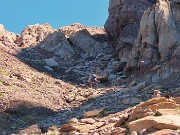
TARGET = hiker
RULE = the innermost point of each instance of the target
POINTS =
(93, 80)
(156, 94)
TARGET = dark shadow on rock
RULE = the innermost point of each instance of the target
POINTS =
(21, 114)
(34, 57)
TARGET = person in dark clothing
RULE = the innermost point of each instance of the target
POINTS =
(93, 80)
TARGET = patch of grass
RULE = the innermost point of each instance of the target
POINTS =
(29, 118)
(2, 95)
(3, 72)
(2, 81)
(14, 88)
(33, 45)
(52, 133)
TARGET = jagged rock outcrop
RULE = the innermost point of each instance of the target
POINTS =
(157, 114)
(125, 15)
(34, 34)
(122, 24)
(158, 39)
(90, 40)
(7, 38)
(44, 37)
(58, 45)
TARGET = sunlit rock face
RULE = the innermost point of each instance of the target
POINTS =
(57, 44)
(34, 34)
(158, 39)
(89, 40)
(122, 24)
(7, 38)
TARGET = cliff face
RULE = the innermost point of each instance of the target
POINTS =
(124, 14)
(122, 24)
(156, 46)
(159, 37)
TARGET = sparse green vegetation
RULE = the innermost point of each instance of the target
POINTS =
(1, 95)
(178, 109)
(2, 81)
(14, 88)
(3, 72)
(52, 133)
(29, 118)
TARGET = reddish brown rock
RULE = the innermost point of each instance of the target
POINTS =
(163, 105)
(161, 122)
(88, 121)
(164, 132)
(177, 100)
(118, 131)
(140, 112)
(33, 129)
(121, 120)
(155, 101)
(93, 113)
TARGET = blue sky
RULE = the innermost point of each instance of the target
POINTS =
(17, 14)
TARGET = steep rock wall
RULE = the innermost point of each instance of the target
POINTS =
(122, 24)
(158, 41)
(124, 13)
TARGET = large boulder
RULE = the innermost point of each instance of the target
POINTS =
(159, 113)
(34, 34)
(90, 40)
(57, 44)
(162, 122)
(158, 39)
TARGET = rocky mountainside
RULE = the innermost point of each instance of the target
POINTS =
(34, 102)
(44, 74)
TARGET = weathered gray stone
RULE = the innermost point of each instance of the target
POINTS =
(157, 35)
